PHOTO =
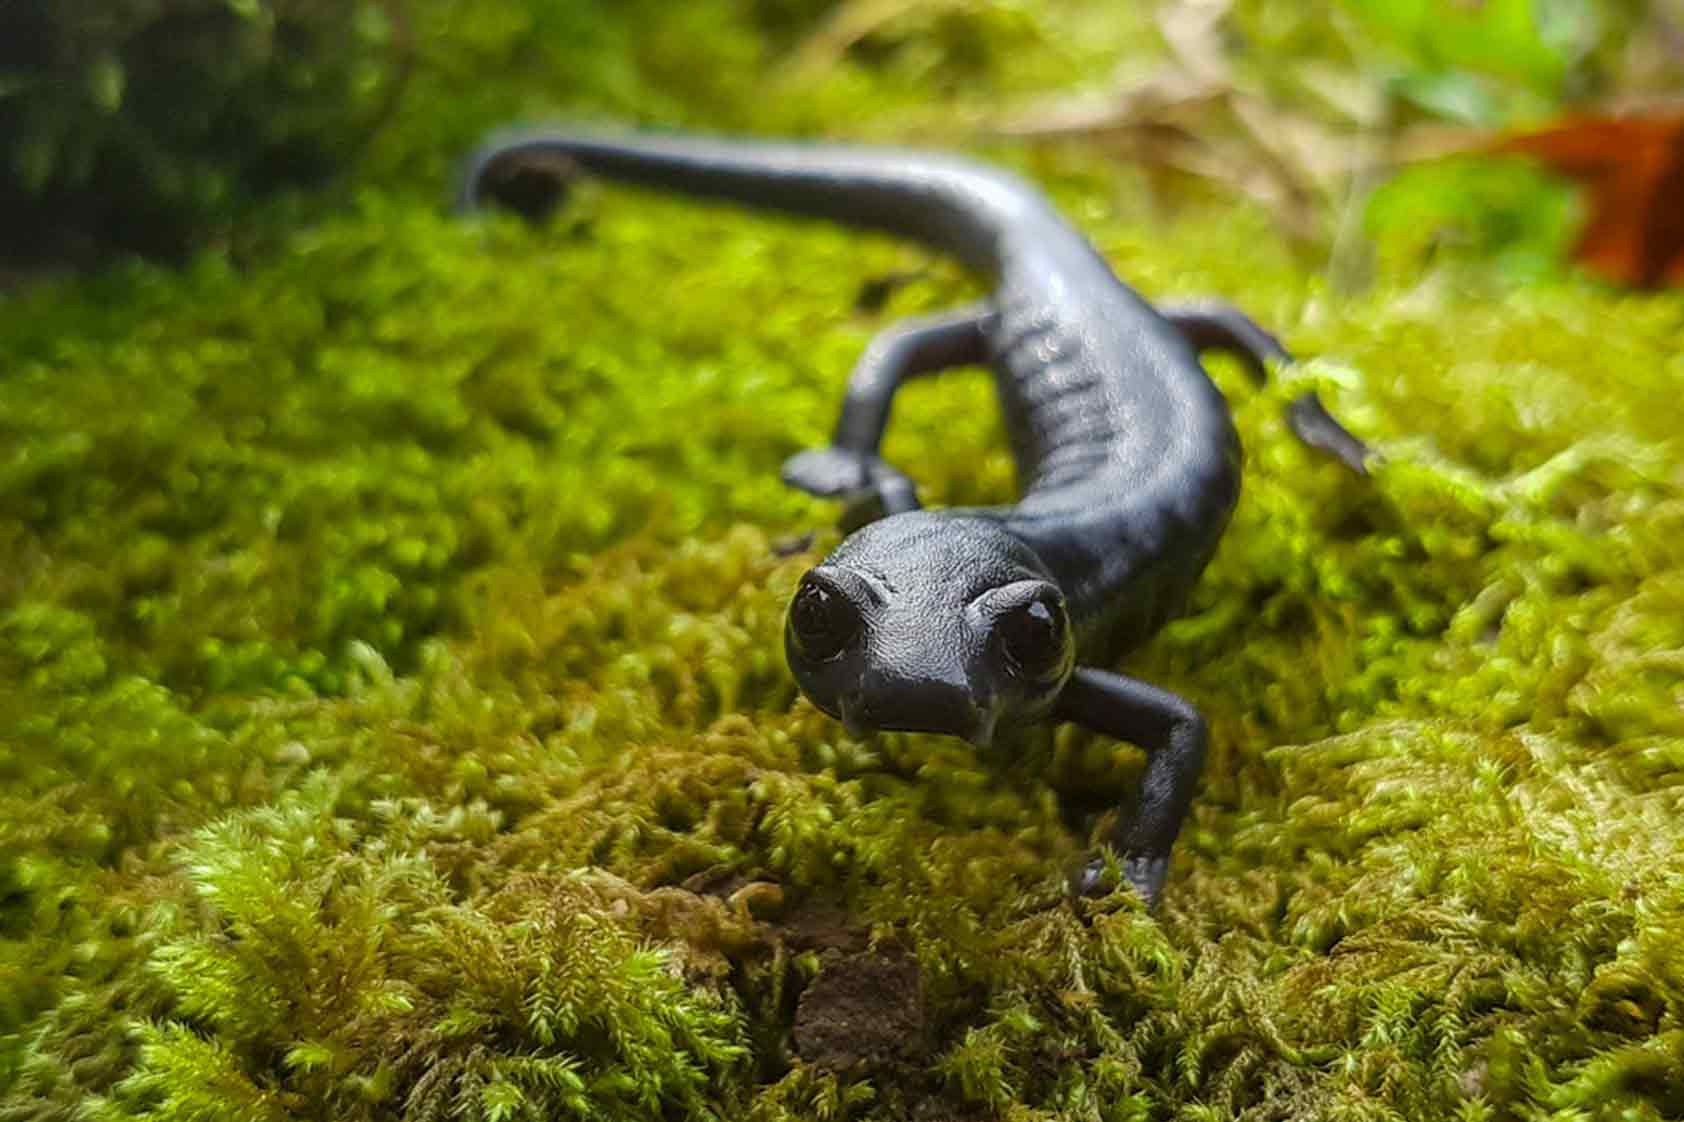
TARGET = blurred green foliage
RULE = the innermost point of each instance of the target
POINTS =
(1381, 78)
(141, 124)
(390, 673)
(158, 125)
(1485, 63)
(1507, 215)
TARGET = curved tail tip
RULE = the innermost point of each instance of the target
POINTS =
(517, 172)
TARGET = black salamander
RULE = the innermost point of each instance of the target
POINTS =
(965, 620)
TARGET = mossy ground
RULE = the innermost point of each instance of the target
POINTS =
(393, 720)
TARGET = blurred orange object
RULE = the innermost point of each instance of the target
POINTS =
(1634, 168)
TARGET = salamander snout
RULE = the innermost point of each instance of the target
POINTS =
(918, 705)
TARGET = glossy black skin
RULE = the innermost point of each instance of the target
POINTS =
(1128, 463)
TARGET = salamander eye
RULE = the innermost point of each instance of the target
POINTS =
(822, 621)
(1032, 638)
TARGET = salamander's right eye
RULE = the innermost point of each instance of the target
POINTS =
(822, 621)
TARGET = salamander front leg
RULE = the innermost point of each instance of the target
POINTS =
(1173, 735)
(1222, 327)
(849, 468)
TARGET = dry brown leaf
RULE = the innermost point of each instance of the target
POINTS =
(1633, 167)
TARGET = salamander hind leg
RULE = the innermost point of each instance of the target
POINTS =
(1173, 735)
(1222, 327)
(849, 468)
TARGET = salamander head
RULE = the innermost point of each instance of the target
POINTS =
(930, 621)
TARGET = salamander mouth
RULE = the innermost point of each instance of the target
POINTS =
(949, 711)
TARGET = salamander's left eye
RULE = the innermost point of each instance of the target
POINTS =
(1032, 637)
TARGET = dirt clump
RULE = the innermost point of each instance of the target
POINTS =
(864, 1011)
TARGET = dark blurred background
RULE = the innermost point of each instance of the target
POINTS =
(154, 126)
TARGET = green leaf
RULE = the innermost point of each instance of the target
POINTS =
(106, 82)
(1453, 95)
(34, 159)
(14, 82)
(501, 1100)
(309, 1056)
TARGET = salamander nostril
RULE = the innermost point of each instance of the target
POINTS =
(857, 716)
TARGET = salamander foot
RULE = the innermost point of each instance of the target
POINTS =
(830, 472)
(870, 487)
(1145, 873)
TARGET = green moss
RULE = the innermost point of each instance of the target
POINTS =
(539, 1004)
(393, 720)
